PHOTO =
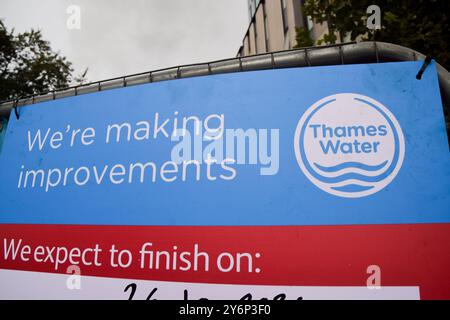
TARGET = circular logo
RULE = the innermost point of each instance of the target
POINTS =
(349, 145)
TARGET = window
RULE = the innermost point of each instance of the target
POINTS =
(250, 9)
(266, 27)
(252, 4)
(284, 15)
(255, 30)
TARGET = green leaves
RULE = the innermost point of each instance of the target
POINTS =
(29, 66)
(303, 38)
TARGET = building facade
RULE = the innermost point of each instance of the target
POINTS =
(273, 26)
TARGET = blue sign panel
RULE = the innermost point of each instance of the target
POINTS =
(334, 145)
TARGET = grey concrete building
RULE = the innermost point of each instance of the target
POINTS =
(273, 25)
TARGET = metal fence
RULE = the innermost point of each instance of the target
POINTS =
(346, 53)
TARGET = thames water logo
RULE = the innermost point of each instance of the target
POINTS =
(349, 145)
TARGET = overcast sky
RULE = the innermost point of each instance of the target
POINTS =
(120, 37)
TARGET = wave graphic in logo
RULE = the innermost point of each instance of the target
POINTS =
(349, 145)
